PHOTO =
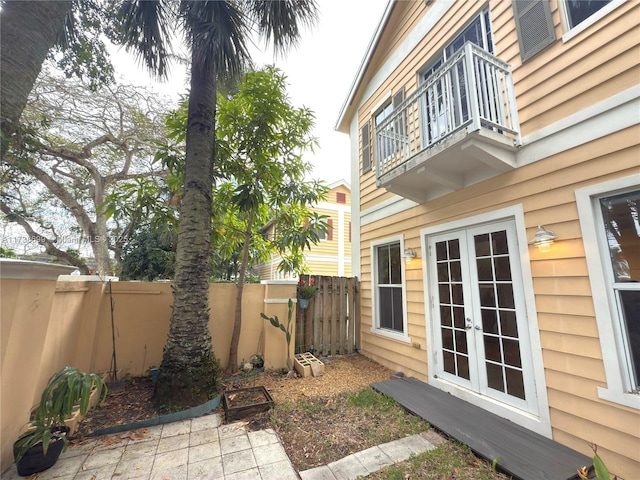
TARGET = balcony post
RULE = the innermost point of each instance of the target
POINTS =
(472, 91)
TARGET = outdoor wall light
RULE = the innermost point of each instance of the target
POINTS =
(543, 239)
(410, 254)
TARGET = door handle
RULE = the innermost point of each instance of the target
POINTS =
(478, 327)
(469, 324)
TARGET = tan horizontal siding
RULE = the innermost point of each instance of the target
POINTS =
(562, 80)
(567, 77)
(627, 468)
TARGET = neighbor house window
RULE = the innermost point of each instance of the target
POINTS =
(389, 316)
(579, 10)
(610, 221)
(341, 197)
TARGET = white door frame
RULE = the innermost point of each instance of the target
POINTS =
(537, 421)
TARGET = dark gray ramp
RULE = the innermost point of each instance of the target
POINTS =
(521, 453)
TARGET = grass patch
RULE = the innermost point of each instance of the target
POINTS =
(320, 430)
(451, 460)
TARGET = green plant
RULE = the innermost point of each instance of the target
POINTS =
(67, 389)
(287, 331)
(602, 473)
(305, 291)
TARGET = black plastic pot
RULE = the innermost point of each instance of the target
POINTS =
(35, 461)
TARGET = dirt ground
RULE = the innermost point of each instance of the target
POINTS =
(347, 373)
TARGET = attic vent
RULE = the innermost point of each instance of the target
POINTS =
(534, 25)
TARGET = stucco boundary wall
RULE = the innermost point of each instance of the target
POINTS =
(47, 324)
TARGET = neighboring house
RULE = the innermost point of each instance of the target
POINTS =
(332, 255)
(471, 124)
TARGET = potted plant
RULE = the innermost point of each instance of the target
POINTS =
(40, 446)
(306, 292)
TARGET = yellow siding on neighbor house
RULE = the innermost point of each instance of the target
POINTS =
(324, 258)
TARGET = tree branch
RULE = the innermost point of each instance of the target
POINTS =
(48, 244)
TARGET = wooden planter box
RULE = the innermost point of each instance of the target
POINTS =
(243, 402)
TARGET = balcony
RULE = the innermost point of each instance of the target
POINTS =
(458, 128)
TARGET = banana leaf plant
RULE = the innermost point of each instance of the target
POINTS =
(66, 389)
(287, 331)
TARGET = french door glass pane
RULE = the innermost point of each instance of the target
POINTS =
(497, 306)
(451, 304)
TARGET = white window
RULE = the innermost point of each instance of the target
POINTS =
(439, 116)
(389, 316)
(581, 14)
(609, 218)
(579, 10)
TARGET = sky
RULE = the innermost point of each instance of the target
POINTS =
(320, 72)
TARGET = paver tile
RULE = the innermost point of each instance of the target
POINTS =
(238, 461)
(278, 471)
(348, 468)
(231, 430)
(252, 474)
(208, 469)
(172, 473)
(101, 458)
(204, 452)
(373, 459)
(203, 436)
(176, 428)
(271, 453)
(234, 444)
(166, 461)
(263, 437)
(318, 473)
(177, 442)
(206, 422)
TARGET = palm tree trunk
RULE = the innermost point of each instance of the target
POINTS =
(237, 322)
(28, 31)
(189, 370)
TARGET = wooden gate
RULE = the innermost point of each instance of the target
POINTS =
(331, 323)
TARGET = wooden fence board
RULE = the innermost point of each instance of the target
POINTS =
(330, 325)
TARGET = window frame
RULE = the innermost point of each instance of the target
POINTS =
(608, 318)
(571, 32)
(375, 300)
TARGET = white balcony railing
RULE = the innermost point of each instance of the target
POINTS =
(472, 90)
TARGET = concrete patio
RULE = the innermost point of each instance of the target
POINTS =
(202, 448)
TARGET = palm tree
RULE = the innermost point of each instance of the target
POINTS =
(218, 33)
(28, 31)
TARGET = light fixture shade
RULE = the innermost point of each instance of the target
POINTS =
(410, 253)
(543, 238)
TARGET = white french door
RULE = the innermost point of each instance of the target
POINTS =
(480, 334)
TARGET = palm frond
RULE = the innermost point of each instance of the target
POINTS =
(217, 32)
(281, 22)
(144, 27)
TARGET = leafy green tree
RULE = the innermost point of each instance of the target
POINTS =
(150, 254)
(7, 253)
(76, 146)
(263, 139)
(218, 33)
